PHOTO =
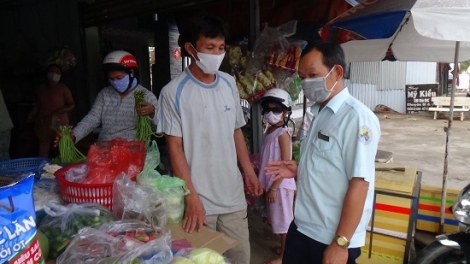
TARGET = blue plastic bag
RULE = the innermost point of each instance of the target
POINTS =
(18, 242)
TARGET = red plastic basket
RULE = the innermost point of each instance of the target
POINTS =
(71, 192)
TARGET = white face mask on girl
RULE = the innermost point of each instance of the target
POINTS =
(315, 89)
(272, 118)
(209, 63)
(52, 76)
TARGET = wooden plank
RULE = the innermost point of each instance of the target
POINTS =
(390, 178)
(445, 101)
(442, 109)
(445, 109)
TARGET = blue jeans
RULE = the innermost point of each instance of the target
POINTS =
(301, 249)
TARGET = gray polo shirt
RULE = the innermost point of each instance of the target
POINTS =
(205, 116)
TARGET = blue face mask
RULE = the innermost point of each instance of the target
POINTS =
(122, 85)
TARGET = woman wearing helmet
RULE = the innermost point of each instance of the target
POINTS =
(114, 108)
(277, 146)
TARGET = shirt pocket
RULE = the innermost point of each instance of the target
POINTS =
(323, 145)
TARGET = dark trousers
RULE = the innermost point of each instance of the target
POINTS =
(302, 249)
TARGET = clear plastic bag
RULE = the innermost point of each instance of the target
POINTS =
(77, 173)
(152, 158)
(49, 170)
(45, 190)
(92, 245)
(288, 29)
(132, 201)
(63, 222)
(198, 256)
(134, 229)
(173, 190)
(290, 82)
(157, 251)
(149, 174)
(270, 44)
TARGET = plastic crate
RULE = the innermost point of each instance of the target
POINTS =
(71, 192)
(24, 165)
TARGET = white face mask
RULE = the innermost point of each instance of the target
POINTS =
(209, 63)
(272, 118)
(315, 88)
(52, 76)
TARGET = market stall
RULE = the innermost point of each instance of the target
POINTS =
(111, 207)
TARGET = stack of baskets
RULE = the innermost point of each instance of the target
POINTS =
(12, 167)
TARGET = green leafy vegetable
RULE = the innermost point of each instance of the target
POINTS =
(144, 130)
(67, 150)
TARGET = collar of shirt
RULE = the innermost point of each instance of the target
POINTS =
(335, 103)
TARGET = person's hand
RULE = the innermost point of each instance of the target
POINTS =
(57, 139)
(281, 169)
(271, 195)
(195, 214)
(254, 185)
(334, 254)
(59, 135)
(145, 109)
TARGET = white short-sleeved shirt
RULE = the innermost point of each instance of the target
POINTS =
(341, 144)
(205, 116)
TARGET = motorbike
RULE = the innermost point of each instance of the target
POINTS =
(451, 248)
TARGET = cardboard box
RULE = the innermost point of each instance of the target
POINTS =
(207, 238)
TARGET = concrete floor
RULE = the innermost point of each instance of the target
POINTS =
(415, 140)
(418, 140)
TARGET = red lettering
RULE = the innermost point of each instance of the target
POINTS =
(31, 254)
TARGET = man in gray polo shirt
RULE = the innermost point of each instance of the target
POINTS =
(200, 113)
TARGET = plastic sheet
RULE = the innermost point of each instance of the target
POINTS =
(63, 222)
(107, 159)
(135, 229)
(132, 201)
(77, 174)
(149, 174)
(45, 190)
(198, 256)
(274, 62)
(92, 245)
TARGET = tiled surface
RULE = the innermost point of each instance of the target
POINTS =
(261, 239)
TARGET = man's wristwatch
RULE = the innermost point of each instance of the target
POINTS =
(342, 241)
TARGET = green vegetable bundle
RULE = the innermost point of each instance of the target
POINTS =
(67, 150)
(144, 130)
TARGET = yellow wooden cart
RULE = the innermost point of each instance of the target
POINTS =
(391, 231)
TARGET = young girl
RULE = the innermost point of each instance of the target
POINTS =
(277, 145)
